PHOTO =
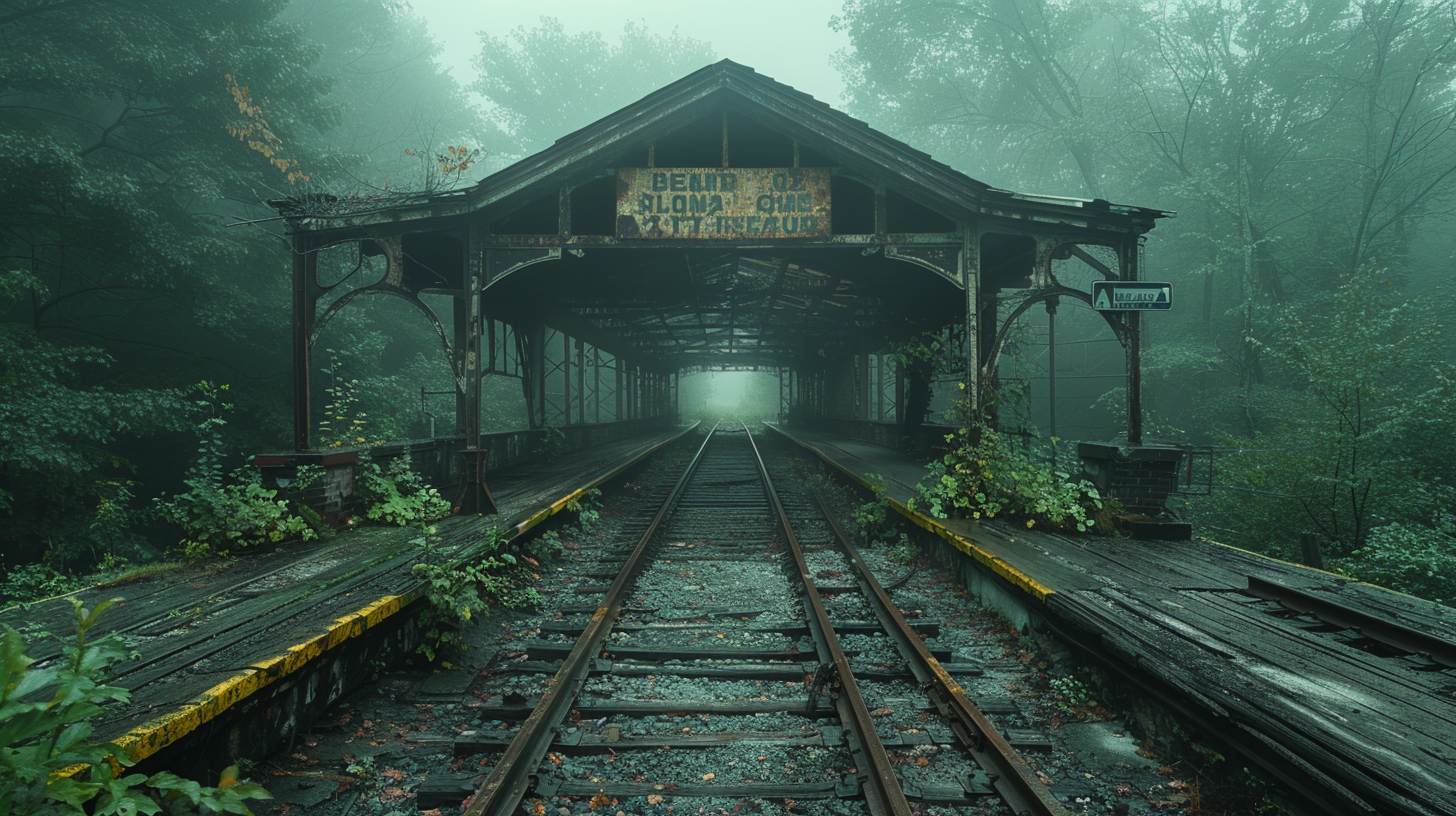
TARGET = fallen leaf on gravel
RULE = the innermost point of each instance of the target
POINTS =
(391, 793)
(600, 800)
(654, 799)
(708, 776)
(880, 712)
(393, 774)
(922, 761)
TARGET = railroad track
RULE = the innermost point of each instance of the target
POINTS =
(742, 617)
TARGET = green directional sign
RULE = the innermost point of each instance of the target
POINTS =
(1131, 296)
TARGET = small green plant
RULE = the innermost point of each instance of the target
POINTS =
(43, 739)
(215, 515)
(903, 553)
(548, 546)
(872, 518)
(982, 477)
(588, 510)
(397, 495)
(34, 582)
(459, 590)
(343, 425)
(363, 767)
(1070, 696)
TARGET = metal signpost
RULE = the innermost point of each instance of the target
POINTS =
(1131, 296)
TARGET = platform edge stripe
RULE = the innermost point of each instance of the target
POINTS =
(156, 734)
(997, 565)
(151, 737)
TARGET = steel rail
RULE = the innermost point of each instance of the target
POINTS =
(502, 791)
(1010, 774)
(884, 795)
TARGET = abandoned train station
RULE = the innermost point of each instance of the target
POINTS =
(724, 222)
(728, 222)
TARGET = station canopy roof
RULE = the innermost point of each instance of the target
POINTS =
(582, 235)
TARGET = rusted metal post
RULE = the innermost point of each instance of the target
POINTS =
(1051, 308)
(899, 405)
(305, 273)
(565, 379)
(461, 340)
(617, 392)
(878, 382)
(969, 262)
(475, 497)
(1129, 271)
(535, 375)
(581, 382)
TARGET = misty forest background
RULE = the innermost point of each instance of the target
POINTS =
(1309, 149)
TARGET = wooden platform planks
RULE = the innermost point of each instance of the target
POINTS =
(211, 637)
(1380, 729)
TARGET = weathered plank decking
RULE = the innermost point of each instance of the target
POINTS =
(1381, 729)
(212, 636)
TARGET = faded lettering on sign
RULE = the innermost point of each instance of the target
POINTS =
(722, 203)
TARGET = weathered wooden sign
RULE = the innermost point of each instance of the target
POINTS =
(722, 203)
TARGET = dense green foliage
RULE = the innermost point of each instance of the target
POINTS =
(127, 149)
(45, 714)
(1309, 151)
(394, 494)
(983, 477)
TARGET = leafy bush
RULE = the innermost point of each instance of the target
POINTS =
(588, 510)
(214, 514)
(397, 495)
(871, 519)
(33, 582)
(41, 738)
(1409, 558)
(983, 477)
(460, 589)
(234, 515)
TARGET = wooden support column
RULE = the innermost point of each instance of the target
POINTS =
(1128, 257)
(305, 298)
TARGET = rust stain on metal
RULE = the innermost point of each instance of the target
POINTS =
(723, 203)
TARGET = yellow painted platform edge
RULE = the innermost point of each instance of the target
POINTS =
(156, 734)
(992, 561)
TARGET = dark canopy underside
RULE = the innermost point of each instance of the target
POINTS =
(685, 308)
